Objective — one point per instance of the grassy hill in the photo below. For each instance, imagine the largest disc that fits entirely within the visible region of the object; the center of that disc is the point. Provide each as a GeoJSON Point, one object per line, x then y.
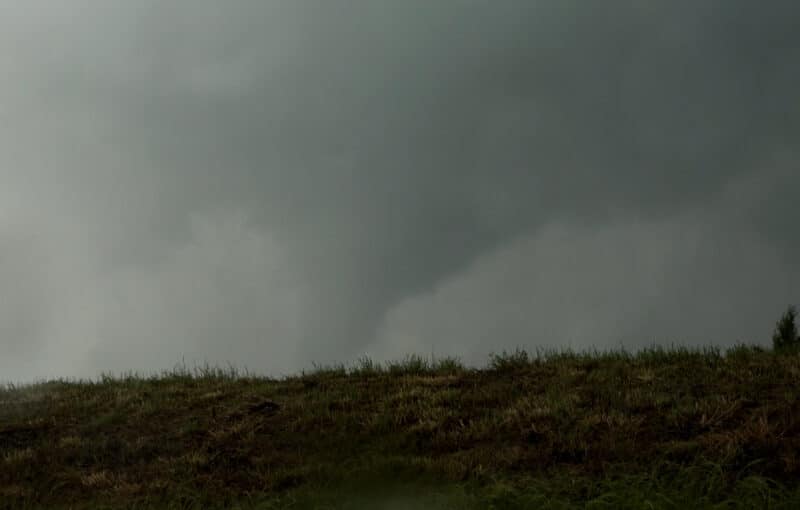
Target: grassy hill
{"type": "Point", "coordinates": [660, 429]}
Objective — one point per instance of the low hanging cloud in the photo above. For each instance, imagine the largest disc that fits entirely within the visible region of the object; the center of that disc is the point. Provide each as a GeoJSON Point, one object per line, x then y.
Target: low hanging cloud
{"type": "Point", "coordinates": [277, 183]}
{"type": "Point", "coordinates": [631, 283]}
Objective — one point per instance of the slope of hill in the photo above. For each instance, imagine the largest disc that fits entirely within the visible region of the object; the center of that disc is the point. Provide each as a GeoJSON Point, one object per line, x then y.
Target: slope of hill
{"type": "Point", "coordinates": [660, 429]}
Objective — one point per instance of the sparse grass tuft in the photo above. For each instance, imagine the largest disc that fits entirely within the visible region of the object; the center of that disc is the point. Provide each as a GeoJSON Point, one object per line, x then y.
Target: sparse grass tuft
{"type": "Point", "coordinates": [412, 364]}
{"type": "Point", "coordinates": [509, 361]}
{"type": "Point", "coordinates": [448, 365]}
{"type": "Point", "coordinates": [365, 367]}
{"type": "Point", "coordinates": [744, 352]}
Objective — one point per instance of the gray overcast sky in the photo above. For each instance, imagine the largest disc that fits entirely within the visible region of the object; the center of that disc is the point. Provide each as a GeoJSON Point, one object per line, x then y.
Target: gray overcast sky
{"type": "Point", "coordinates": [275, 183]}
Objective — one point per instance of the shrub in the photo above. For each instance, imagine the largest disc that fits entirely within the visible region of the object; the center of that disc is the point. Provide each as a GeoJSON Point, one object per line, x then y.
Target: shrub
{"type": "Point", "coordinates": [785, 336]}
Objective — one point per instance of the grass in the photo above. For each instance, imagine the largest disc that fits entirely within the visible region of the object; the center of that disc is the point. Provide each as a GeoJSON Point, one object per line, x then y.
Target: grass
{"type": "Point", "coordinates": [675, 428]}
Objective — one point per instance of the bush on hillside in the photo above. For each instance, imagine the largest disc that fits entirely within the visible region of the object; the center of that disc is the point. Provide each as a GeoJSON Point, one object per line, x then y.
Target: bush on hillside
{"type": "Point", "coordinates": [785, 336]}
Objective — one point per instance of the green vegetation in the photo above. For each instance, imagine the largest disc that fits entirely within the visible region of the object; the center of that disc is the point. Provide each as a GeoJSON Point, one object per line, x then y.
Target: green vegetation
{"type": "Point", "coordinates": [785, 338]}
{"type": "Point", "coordinates": [660, 429]}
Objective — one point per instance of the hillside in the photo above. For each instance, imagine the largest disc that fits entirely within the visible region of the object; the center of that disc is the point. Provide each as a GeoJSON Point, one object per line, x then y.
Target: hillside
{"type": "Point", "coordinates": [660, 429]}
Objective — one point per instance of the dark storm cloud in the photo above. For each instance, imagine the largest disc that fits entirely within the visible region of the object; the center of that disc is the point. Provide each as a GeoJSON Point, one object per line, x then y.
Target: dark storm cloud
{"type": "Point", "coordinates": [376, 150]}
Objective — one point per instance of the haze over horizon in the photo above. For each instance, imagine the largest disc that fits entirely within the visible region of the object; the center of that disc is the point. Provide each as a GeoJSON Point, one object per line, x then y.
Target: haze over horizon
{"type": "Point", "coordinates": [271, 184]}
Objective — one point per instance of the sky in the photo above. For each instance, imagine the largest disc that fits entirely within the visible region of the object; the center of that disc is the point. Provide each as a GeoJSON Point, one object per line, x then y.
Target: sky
{"type": "Point", "coordinates": [276, 184]}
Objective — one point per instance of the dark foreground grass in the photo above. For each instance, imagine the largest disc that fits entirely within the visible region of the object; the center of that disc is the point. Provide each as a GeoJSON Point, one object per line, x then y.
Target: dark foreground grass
{"type": "Point", "coordinates": [660, 429]}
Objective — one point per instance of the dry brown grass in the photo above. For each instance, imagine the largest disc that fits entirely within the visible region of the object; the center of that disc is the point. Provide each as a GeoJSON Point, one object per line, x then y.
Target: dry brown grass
{"type": "Point", "coordinates": [133, 439]}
